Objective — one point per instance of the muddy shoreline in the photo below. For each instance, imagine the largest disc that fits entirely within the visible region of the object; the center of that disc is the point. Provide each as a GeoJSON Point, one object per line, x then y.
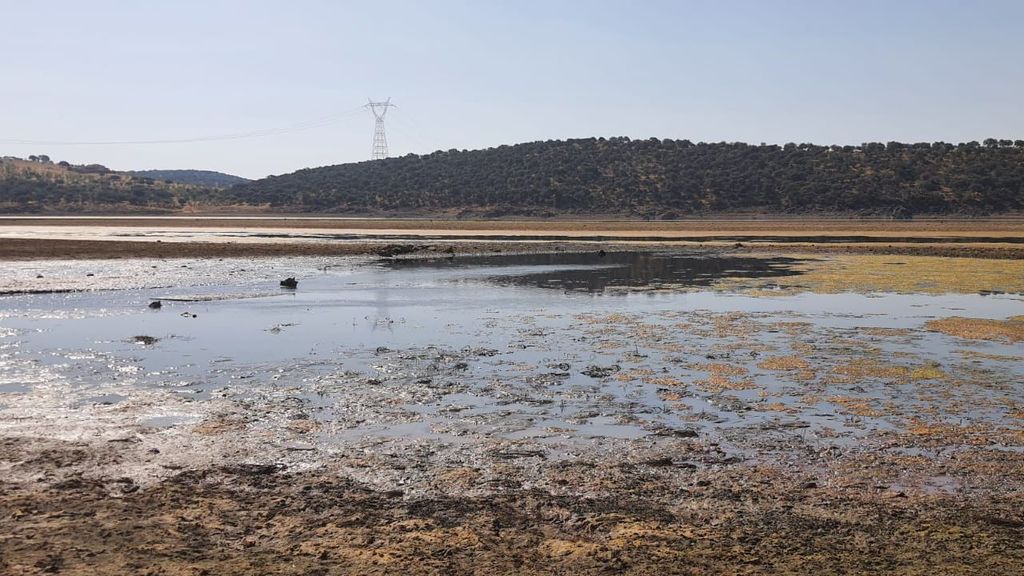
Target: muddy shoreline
{"type": "Point", "coordinates": [846, 423]}
{"type": "Point", "coordinates": [245, 519]}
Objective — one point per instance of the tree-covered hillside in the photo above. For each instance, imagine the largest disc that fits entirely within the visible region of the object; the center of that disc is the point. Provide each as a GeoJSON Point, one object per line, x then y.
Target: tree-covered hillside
{"type": "Point", "coordinates": [40, 185]}
{"type": "Point", "coordinates": [663, 178]}
{"type": "Point", "coordinates": [597, 176]}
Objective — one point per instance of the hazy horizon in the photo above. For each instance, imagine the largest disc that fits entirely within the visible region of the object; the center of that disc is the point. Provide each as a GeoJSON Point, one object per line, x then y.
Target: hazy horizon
{"type": "Point", "coordinates": [468, 76]}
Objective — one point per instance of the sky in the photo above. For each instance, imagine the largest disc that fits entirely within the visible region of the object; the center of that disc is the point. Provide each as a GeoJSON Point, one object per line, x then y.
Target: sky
{"type": "Point", "coordinates": [480, 73]}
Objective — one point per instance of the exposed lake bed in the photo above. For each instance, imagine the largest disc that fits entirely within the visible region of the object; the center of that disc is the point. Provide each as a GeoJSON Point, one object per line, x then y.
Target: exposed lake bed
{"type": "Point", "coordinates": [639, 409]}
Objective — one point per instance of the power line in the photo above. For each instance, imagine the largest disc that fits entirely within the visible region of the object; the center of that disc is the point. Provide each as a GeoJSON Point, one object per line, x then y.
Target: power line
{"type": "Point", "coordinates": [298, 127]}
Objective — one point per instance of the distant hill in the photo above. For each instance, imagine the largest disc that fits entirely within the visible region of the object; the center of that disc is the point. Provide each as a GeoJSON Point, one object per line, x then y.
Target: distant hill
{"type": "Point", "coordinates": [587, 177]}
{"type": "Point", "coordinates": [40, 185]}
{"type": "Point", "coordinates": [662, 178]}
{"type": "Point", "coordinates": [208, 178]}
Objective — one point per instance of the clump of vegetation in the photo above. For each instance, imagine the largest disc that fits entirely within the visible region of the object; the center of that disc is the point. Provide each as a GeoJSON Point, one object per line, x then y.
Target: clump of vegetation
{"type": "Point", "coordinates": [929, 371]}
{"type": "Point", "coordinates": [799, 368]}
{"type": "Point", "coordinates": [1009, 330]}
{"type": "Point", "coordinates": [721, 383]}
{"type": "Point", "coordinates": [902, 274]}
{"type": "Point", "coordinates": [856, 406]}
{"type": "Point", "coordinates": [864, 368]}
{"type": "Point", "coordinates": [784, 363]}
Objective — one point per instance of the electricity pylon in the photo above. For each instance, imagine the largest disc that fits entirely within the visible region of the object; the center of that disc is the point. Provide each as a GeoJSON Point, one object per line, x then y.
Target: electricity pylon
{"type": "Point", "coordinates": [380, 141]}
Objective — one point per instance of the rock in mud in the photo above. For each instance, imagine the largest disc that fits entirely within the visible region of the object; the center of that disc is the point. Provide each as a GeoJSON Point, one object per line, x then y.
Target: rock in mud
{"type": "Point", "coordinates": [601, 371]}
{"type": "Point", "coordinates": [290, 283]}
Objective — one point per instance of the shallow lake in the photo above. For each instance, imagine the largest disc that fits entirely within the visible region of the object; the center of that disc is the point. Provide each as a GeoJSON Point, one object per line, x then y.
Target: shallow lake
{"type": "Point", "coordinates": [553, 347]}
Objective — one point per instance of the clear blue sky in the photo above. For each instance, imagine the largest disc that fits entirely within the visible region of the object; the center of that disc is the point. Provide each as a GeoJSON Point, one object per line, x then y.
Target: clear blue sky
{"type": "Point", "coordinates": [476, 73]}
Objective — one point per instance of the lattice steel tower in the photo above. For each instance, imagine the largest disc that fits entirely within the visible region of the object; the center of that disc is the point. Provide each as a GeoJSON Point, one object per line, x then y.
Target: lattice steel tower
{"type": "Point", "coordinates": [380, 141]}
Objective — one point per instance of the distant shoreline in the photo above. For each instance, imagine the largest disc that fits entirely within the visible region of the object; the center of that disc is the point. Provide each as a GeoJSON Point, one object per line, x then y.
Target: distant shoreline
{"type": "Point", "coordinates": [217, 237]}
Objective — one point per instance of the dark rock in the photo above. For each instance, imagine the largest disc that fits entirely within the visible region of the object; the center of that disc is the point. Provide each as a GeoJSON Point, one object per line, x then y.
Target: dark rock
{"type": "Point", "coordinates": [156, 305]}
{"type": "Point", "coordinates": [290, 283]}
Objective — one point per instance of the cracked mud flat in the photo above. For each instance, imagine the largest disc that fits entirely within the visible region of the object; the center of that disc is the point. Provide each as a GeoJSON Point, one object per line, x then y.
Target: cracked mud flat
{"type": "Point", "coordinates": [631, 413]}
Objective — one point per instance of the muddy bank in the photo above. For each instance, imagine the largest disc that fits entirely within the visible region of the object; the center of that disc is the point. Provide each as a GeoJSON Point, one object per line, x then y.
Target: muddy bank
{"type": "Point", "coordinates": [41, 248]}
{"type": "Point", "coordinates": [265, 519]}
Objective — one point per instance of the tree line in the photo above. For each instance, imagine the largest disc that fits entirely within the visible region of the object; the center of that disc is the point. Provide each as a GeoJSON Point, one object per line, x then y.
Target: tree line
{"type": "Point", "coordinates": [664, 179]}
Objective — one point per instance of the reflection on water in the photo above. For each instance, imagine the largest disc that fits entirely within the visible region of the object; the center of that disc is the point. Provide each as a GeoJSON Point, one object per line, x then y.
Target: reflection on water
{"type": "Point", "coordinates": [596, 271]}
